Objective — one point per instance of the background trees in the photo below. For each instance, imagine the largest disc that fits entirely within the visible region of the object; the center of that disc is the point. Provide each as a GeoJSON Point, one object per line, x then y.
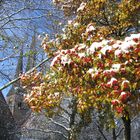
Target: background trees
{"type": "Point", "coordinates": [23, 23]}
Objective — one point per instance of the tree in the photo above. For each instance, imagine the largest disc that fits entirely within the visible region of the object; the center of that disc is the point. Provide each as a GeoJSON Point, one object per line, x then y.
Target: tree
{"type": "Point", "coordinates": [18, 22]}
{"type": "Point", "coordinates": [96, 85]}
{"type": "Point", "coordinates": [93, 64]}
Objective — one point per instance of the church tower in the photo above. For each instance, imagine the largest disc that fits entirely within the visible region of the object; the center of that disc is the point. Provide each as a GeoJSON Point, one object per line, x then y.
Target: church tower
{"type": "Point", "coordinates": [32, 57]}
{"type": "Point", "coordinates": [15, 97]}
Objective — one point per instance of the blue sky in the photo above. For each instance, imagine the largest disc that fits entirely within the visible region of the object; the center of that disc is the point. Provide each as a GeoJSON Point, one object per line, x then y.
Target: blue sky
{"type": "Point", "coordinates": [43, 24]}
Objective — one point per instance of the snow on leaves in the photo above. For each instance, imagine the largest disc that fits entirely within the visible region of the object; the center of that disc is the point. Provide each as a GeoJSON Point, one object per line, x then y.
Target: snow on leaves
{"type": "Point", "coordinates": [104, 73]}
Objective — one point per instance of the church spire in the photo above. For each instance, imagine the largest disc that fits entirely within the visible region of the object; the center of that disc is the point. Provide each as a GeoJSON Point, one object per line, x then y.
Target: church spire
{"type": "Point", "coordinates": [32, 56]}
{"type": "Point", "coordinates": [19, 68]}
{"type": "Point", "coordinates": [15, 97]}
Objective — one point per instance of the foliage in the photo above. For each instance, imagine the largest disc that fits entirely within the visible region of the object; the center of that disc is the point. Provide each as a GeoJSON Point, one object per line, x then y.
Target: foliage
{"type": "Point", "coordinates": [105, 73]}
{"type": "Point", "coordinates": [93, 63]}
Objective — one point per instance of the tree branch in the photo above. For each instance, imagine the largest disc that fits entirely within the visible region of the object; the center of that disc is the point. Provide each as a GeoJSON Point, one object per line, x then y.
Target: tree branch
{"type": "Point", "coordinates": [119, 132]}
{"type": "Point", "coordinates": [101, 132]}
{"type": "Point", "coordinates": [46, 131]}
{"type": "Point", "coordinates": [67, 129]}
{"type": "Point", "coordinates": [3, 59]}
{"type": "Point", "coordinates": [9, 16]}
{"type": "Point", "coordinates": [19, 19]}
{"type": "Point", "coordinates": [64, 117]}
{"type": "Point", "coordinates": [18, 78]}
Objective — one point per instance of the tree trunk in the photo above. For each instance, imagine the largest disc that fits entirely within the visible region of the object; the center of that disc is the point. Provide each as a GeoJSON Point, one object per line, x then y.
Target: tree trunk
{"type": "Point", "coordinates": [127, 128]}
{"type": "Point", "coordinates": [72, 133]}
{"type": "Point", "coordinates": [114, 134]}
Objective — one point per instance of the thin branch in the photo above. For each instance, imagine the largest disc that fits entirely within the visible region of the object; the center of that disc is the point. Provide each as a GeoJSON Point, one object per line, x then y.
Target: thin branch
{"type": "Point", "coordinates": [101, 132]}
{"type": "Point", "coordinates": [3, 59]}
{"type": "Point", "coordinates": [18, 11]}
{"type": "Point", "coordinates": [22, 9]}
{"type": "Point", "coordinates": [20, 19]}
{"type": "Point", "coordinates": [119, 132]}
{"type": "Point", "coordinates": [134, 119]}
{"type": "Point", "coordinates": [18, 78]}
{"type": "Point", "coordinates": [45, 131]}
{"type": "Point", "coordinates": [65, 111]}
{"type": "Point", "coordinates": [4, 75]}
{"type": "Point", "coordinates": [61, 125]}
{"type": "Point", "coordinates": [66, 118]}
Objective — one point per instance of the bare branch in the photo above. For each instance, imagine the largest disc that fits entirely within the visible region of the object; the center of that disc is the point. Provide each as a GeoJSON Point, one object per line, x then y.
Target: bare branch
{"type": "Point", "coordinates": [119, 132]}
{"type": "Point", "coordinates": [134, 119]}
{"type": "Point", "coordinates": [101, 132]}
{"type": "Point", "coordinates": [61, 125]}
{"type": "Point", "coordinates": [45, 131]}
{"type": "Point", "coordinates": [18, 11]}
{"type": "Point", "coordinates": [65, 111]}
{"type": "Point", "coordinates": [6, 76]}
{"type": "Point", "coordinates": [3, 59]}
{"type": "Point", "coordinates": [19, 19]}
{"type": "Point", "coordinates": [68, 120]}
